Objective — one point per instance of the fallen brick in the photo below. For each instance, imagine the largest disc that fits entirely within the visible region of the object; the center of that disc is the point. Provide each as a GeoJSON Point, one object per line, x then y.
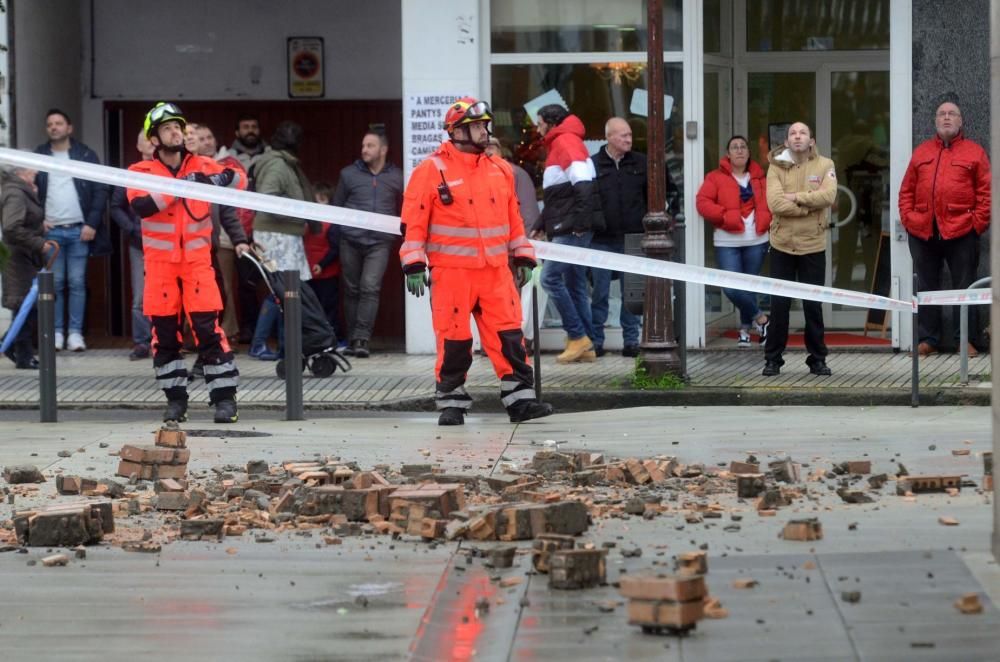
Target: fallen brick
{"type": "Point", "coordinates": [55, 560]}
{"type": "Point", "coordinates": [663, 587]}
{"type": "Point", "coordinates": [969, 604]}
{"type": "Point", "coordinates": [171, 501]}
{"type": "Point", "coordinates": [851, 597]}
{"type": "Point", "coordinates": [147, 546]}
{"type": "Point", "coordinates": [543, 547]}
{"type": "Point", "coordinates": [853, 496]}
{"type": "Point", "coordinates": [745, 582]}
{"type": "Point", "coordinates": [23, 473]}
{"type": "Point", "coordinates": [637, 472]}
{"type": "Point", "coordinates": [960, 451]}
{"type": "Point", "coordinates": [918, 484]}
{"type": "Point", "coordinates": [74, 484]}
{"type": "Point", "coordinates": [482, 527]}
{"type": "Point", "coordinates": [202, 529]}
{"type": "Point", "coordinates": [170, 436]}
{"type": "Point", "coordinates": [653, 615]}
{"type": "Point", "coordinates": [803, 530]}
{"type": "Point", "coordinates": [151, 471]}
{"type": "Point", "coordinates": [743, 468]}
{"type": "Point", "coordinates": [859, 467]}
{"type": "Point", "coordinates": [692, 563]}
{"type": "Point", "coordinates": [713, 608]}
{"type": "Point", "coordinates": [550, 462]}
{"type": "Point", "coordinates": [169, 485]}
{"type": "Point", "coordinates": [502, 557]}
{"type": "Point", "coordinates": [154, 454]}
{"type": "Point", "coordinates": [357, 505]}
{"type": "Point", "coordinates": [64, 525]}
{"type": "Point", "coordinates": [571, 569]}
{"type": "Point", "coordinates": [507, 582]}
{"type": "Point", "coordinates": [785, 470]}
{"type": "Point", "coordinates": [878, 481]}
{"type": "Point", "coordinates": [750, 486]}
{"type": "Point", "coordinates": [947, 521]}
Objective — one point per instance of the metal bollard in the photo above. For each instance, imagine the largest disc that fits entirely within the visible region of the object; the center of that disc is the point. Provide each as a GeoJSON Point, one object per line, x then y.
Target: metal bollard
{"type": "Point", "coordinates": [963, 341]}
{"type": "Point", "coordinates": [47, 347]}
{"type": "Point", "coordinates": [915, 367]}
{"type": "Point", "coordinates": [293, 347]}
{"type": "Point", "coordinates": [536, 346]}
{"type": "Point", "coordinates": [680, 295]}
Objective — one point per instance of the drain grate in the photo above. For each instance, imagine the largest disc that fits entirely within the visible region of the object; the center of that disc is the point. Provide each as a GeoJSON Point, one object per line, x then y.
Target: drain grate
{"type": "Point", "coordinates": [224, 434]}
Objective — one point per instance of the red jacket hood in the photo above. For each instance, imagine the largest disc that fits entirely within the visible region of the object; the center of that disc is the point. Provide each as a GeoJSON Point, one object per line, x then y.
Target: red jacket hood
{"type": "Point", "coordinates": [752, 167]}
{"type": "Point", "coordinates": [571, 125]}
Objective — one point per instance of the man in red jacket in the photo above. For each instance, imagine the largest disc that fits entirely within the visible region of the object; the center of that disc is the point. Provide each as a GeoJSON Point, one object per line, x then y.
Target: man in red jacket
{"type": "Point", "coordinates": [944, 204]}
{"type": "Point", "coordinates": [463, 221]}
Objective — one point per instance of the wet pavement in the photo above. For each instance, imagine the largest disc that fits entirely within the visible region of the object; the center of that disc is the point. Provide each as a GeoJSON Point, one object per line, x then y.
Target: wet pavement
{"type": "Point", "coordinates": [369, 598]}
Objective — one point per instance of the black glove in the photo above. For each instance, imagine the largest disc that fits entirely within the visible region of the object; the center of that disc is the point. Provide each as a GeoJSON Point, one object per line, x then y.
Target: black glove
{"type": "Point", "coordinates": [199, 177]}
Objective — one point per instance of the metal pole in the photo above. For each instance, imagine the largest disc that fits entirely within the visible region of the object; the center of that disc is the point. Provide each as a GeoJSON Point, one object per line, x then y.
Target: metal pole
{"type": "Point", "coordinates": [536, 345]}
{"type": "Point", "coordinates": [963, 338]}
{"type": "Point", "coordinates": [680, 297]}
{"type": "Point", "coordinates": [659, 342]}
{"type": "Point", "coordinates": [47, 408]}
{"type": "Point", "coordinates": [293, 347]}
{"type": "Point", "coordinates": [915, 356]}
{"type": "Point", "coordinates": [995, 246]}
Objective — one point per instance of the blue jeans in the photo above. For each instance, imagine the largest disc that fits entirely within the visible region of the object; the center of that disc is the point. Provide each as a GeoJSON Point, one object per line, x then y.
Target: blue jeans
{"type": "Point", "coordinates": [566, 285]}
{"type": "Point", "coordinates": [270, 316]}
{"type": "Point", "coordinates": [70, 268]}
{"type": "Point", "coordinates": [142, 332]}
{"type": "Point", "coordinates": [744, 260]}
{"type": "Point", "coordinates": [599, 297]}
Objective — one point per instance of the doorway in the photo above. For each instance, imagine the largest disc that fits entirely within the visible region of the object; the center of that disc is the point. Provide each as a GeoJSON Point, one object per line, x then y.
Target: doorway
{"type": "Point", "coordinates": [779, 61]}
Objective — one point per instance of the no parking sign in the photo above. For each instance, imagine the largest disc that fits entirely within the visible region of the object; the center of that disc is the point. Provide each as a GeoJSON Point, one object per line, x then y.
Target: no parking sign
{"type": "Point", "coordinates": [305, 67]}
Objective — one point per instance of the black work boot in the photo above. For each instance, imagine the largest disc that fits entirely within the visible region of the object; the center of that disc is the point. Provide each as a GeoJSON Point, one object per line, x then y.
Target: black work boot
{"type": "Point", "coordinates": [225, 411]}
{"type": "Point", "coordinates": [451, 416]}
{"type": "Point", "coordinates": [525, 410]}
{"type": "Point", "coordinates": [771, 368]}
{"type": "Point", "coordinates": [176, 411]}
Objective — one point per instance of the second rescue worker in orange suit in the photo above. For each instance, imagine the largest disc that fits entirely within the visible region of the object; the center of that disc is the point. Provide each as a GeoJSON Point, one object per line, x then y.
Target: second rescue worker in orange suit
{"type": "Point", "coordinates": [463, 222]}
{"type": "Point", "coordinates": [177, 252]}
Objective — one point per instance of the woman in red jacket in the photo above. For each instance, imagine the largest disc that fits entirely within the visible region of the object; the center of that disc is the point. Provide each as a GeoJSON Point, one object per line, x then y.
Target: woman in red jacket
{"type": "Point", "coordinates": [733, 198]}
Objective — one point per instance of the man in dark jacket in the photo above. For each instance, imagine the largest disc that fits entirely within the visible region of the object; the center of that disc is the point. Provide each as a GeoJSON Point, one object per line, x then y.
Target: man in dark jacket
{"type": "Point", "coordinates": [74, 218]}
{"type": "Point", "coordinates": [131, 227]}
{"type": "Point", "coordinates": [23, 235]}
{"type": "Point", "coordinates": [370, 184]}
{"type": "Point", "coordinates": [571, 215]}
{"type": "Point", "coordinates": [944, 204]}
{"type": "Point", "coordinates": [621, 182]}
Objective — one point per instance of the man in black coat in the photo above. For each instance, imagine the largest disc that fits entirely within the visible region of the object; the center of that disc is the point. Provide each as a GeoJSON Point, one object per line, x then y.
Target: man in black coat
{"type": "Point", "coordinates": [622, 185]}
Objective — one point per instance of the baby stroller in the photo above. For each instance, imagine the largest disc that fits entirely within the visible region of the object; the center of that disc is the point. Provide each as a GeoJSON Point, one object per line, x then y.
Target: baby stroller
{"type": "Point", "coordinates": [319, 343]}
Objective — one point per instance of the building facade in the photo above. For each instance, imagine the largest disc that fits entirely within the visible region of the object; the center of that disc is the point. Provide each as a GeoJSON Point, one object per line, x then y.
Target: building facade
{"type": "Point", "coordinates": [865, 74]}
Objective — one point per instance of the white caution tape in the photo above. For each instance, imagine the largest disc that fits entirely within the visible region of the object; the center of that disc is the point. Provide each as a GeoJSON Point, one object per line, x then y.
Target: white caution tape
{"type": "Point", "coordinates": [390, 225]}
{"type": "Point", "coordinates": [955, 297]}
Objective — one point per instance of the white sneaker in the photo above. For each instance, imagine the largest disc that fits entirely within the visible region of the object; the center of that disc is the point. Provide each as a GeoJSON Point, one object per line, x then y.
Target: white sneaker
{"type": "Point", "coordinates": [75, 343]}
{"type": "Point", "coordinates": [743, 341]}
{"type": "Point", "coordinates": [59, 340]}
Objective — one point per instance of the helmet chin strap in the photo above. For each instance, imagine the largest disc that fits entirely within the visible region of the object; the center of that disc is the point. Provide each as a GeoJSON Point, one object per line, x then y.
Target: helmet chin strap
{"type": "Point", "coordinates": [478, 147]}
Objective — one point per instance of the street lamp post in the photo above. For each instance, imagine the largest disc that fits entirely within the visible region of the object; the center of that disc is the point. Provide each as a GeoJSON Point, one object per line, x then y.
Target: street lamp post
{"type": "Point", "coordinates": [659, 345]}
{"type": "Point", "coordinates": [995, 252]}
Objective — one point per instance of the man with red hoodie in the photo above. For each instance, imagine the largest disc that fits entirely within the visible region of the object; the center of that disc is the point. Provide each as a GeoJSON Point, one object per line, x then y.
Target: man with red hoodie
{"type": "Point", "coordinates": [571, 215]}
{"type": "Point", "coordinates": [944, 204]}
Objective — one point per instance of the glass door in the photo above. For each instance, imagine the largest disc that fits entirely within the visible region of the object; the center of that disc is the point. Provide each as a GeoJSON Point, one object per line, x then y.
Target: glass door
{"type": "Point", "coordinates": [859, 138]}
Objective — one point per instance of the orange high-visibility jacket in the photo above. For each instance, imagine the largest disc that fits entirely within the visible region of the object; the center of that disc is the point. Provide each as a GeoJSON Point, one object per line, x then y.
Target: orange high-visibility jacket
{"type": "Point", "coordinates": [176, 229]}
{"type": "Point", "coordinates": [481, 227]}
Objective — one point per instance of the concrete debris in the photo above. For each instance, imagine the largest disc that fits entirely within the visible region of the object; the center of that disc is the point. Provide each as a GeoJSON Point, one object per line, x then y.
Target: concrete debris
{"type": "Point", "coordinates": [25, 473]}
{"type": "Point", "coordinates": [664, 604]}
{"type": "Point", "coordinates": [969, 604]}
{"type": "Point", "coordinates": [55, 560]}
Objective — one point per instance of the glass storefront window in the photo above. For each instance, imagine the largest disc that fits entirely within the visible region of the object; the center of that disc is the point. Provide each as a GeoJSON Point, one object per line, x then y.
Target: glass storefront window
{"type": "Point", "coordinates": [572, 26]}
{"type": "Point", "coordinates": [594, 93]}
{"type": "Point", "coordinates": [808, 25]}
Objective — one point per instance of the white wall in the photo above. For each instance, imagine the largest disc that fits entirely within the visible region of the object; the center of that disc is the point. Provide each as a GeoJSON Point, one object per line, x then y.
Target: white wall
{"type": "Point", "coordinates": [441, 55]}
{"type": "Point", "coordinates": [48, 55]}
{"type": "Point", "coordinates": [193, 49]}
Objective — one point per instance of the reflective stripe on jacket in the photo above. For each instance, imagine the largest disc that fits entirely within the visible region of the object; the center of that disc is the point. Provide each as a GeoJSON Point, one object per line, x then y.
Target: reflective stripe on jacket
{"type": "Point", "coordinates": [481, 227]}
{"type": "Point", "coordinates": [181, 229]}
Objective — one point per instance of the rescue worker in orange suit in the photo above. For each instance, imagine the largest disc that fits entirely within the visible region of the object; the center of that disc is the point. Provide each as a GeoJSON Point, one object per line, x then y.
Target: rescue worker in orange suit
{"type": "Point", "coordinates": [177, 252]}
{"type": "Point", "coordinates": [462, 221]}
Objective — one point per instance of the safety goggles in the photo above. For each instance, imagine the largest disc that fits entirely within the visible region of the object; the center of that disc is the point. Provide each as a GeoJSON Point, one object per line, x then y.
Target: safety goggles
{"type": "Point", "coordinates": [477, 112]}
{"type": "Point", "coordinates": [164, 110]}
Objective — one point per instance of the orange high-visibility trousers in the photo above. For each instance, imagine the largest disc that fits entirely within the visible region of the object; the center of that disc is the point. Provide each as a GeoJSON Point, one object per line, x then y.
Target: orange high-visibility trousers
{"type": "Point", "coordinates": [488, 294]}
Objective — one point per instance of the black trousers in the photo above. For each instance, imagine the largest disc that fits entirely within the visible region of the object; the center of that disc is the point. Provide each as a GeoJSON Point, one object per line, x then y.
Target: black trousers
{"type": "Point", "coordinates": [246, 292]}
{"type": "Point", "coordinates": [810, 268]}
{"type": "Point", "coordinates": [929, 257]}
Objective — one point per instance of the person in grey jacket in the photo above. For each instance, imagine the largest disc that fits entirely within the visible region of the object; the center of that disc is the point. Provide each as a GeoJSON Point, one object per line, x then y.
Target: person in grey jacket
{"type": "Point", "coordinates": [24, 236]}
{"type": "Point", "coordinates": [369, 184]}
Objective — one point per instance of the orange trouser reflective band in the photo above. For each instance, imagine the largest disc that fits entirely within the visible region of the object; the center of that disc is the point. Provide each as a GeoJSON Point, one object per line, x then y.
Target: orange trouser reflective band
{"type": "Point", "coordinates": [488, 294]}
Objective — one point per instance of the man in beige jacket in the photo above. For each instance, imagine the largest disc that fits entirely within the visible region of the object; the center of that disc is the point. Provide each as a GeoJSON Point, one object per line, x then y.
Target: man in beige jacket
{"type": "Point", "coordinates": [801, 188]}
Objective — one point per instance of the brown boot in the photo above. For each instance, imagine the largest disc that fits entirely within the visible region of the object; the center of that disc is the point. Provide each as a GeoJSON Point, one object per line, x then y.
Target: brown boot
{"type": "Point", "coordinates": [926, 349]}
{"type": "Point", "coordinates": [575, 348]}
{"type": "Point", "coordinates": [973, 352]}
